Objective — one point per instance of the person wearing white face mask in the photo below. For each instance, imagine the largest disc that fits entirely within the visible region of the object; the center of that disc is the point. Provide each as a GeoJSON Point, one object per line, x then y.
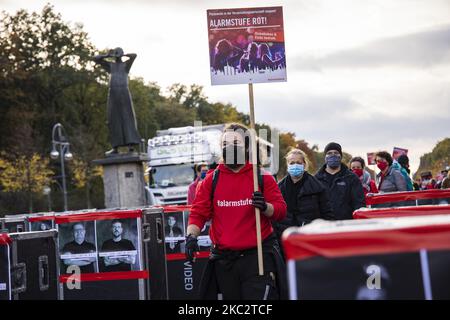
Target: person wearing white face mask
{"type": "Point", "coordinates": [306, 198]}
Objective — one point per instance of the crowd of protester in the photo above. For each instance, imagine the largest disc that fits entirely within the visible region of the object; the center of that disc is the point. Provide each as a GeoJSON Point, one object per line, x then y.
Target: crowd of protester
{"type": "Point", "coordinates": [334, 192]}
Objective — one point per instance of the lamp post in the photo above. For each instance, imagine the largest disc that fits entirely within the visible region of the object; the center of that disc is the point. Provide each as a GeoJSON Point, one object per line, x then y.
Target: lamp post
{"type": "Point", "coordinates": [47, 192]}
{"type": "Point", "coordinates": [61, 149]}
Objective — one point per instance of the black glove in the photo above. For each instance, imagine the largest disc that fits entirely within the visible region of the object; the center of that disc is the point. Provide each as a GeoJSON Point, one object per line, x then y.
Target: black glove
{"type": "Point", "coordinates": [191, 247]}
{"type": "Point", "coordinates": [258, 201]}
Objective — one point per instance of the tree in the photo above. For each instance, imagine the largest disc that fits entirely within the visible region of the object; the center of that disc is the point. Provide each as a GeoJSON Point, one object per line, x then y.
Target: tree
{"type": "Point", "coordinates": [194, 97]}
{"type": "Point", "coordinates": [83, 174]}
{"type": "Point", "coordinates": [436, 160]}
{"type": "Point", "coordinates": [25, 174]}
{"type": "Point", "coordinates": [169, 114]}
{"type": "Point", "coordinates": [145, 98]}
{"type": "Point", "coordinates": [41, 57]}
{"type": "Point", "coordinates": [310, 153]}
{"type": "Point", "coordinates": [287, 142]}
{"type": "Point", "coordinates": [177, 93]}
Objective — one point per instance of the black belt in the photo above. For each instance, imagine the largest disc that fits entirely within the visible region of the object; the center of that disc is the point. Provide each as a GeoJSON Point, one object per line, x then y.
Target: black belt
{"type": "Point", "coordinates": [217, 254]}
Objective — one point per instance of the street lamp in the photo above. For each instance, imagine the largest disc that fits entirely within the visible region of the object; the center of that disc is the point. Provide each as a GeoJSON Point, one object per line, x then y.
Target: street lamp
{"type": "Point", "coordinates": [61, 149]}
{"type": "Point", "coordinates": [47, 192]}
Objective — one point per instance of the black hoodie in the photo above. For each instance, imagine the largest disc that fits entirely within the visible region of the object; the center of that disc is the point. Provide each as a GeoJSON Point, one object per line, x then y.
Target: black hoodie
{"type": "Point", "coordinates": [346, 192]}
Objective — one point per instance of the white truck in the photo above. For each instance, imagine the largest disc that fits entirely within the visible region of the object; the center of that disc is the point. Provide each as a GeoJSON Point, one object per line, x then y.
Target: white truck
{"type": "Point", "coordinates": [173, 154]}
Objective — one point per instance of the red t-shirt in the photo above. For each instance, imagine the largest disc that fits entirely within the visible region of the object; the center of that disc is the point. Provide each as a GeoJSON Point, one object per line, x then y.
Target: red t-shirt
{"type": "Point", "coordinates": [233, 223]}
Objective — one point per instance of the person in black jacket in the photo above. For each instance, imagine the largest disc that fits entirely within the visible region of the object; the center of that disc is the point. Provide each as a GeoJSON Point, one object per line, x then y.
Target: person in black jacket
{"type": "Point", "coordinates": [306, 198]}
{"type": "Point", "coordinates": [345, 189]}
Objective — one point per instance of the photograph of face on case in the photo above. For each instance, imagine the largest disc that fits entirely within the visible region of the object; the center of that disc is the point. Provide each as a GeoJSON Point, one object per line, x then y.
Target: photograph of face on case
{"type": "Point", "coordinates": [42, 225]}
{"type": "Point", "coordinates": [77, 247]}
{"type": "Point", "coordinates": [105, 246]}
{"type": "Point", "coordinates": [117, 242]}
{"type": "Point", "coordinates": [175, 232]}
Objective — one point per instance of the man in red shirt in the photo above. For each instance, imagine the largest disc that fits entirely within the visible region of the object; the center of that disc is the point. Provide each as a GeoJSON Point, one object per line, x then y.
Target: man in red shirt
{"type": "Point", "coordinates": [233, 265]}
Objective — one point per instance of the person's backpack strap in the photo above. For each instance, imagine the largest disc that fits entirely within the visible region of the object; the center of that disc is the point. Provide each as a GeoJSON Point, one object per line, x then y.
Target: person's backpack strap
{"type": "Point", "coordinates": [216, 179]}
{"type": "Point", "coordinates": [214, 183]}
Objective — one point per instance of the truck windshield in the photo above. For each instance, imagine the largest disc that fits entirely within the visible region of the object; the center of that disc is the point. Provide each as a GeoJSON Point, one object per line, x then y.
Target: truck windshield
{"type": "Point", "coordinates": [171, 176]}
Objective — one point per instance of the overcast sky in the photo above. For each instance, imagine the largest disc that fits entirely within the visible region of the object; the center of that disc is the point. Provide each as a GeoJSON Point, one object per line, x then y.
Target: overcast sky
{"type": "Point", "coordinates": [369, 74]}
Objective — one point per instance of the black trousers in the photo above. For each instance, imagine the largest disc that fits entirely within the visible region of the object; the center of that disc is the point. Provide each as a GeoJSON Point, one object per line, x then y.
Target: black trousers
{"type": "Point", "coordinates": [238, 279]}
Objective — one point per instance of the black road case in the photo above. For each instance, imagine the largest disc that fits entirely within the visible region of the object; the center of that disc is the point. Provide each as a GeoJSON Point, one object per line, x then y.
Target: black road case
{"type": "Point", "coordinates": [93, 265]}
{"type": "Point", "coordinates": [29, 266]}
{"type": "Point", "coordinates": [154, 253]}
{"type": "Point", "coordinates": [376, 259]}
{"type": "Point", "coordinates": [5, 289]}
{"type": "Point", "coordinates": [129, 265]}
{"type": "Point", "coordinates": [40, 221]}
{"type": "Point", "coordinates": [14, 223]}
{"type": "Point", "coordinates": [183, 277]}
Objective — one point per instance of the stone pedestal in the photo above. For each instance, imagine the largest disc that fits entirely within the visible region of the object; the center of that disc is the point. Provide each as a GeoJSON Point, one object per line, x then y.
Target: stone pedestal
{"type": "Point", "coordinates": [123, 180]}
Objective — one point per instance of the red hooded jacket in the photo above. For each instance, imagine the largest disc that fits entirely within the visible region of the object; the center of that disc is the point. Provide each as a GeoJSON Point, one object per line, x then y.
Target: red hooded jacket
{"type": "Point", "coordinates": [233, 223]}
{"type": "Point", "coordinates": [192, 190]}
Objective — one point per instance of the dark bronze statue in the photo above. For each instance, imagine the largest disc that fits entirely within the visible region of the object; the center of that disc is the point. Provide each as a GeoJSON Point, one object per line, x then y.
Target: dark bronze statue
{"type": "Point", "coordinates": [121, 118]}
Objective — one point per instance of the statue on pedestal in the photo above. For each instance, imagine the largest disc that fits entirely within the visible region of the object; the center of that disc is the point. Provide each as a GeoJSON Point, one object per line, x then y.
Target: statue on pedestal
{"type": "Point", "coordinates": [121, 117]}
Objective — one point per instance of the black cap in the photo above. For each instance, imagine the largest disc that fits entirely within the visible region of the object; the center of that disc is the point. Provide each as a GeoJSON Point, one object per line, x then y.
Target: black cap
{"type": "Point", "coordinates": [333, 146]}
{"type": "Point", "coordinates": [426, 174]}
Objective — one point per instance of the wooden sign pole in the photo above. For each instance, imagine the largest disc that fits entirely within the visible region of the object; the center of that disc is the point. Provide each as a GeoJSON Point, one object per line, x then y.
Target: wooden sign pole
{"type": "Point", "coordinates": [255, 177]}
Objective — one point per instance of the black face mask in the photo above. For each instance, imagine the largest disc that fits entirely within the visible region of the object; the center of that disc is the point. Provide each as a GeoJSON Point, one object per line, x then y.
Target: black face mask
{"type": "Point", "coordinates": [234, 156]}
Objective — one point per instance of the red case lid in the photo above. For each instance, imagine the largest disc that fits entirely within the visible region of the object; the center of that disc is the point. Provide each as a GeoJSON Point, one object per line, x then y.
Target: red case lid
{"type": "Point", "coordinates": [176, 208]}
{"type": "Point", "coordinates": [5, 239]}
{"type": "Point", "coordinates": [101, 215]}
{"type": "Point", "coordinates": [379, 198]}
{"type": "Point", "coordinates": [401, 212]}
{"type": "Point", "coordinates": [106, 276]}
{"type": "Point", "coordinates": [41, 218]}
{"type": "Point", "coordinates": [369, 240]}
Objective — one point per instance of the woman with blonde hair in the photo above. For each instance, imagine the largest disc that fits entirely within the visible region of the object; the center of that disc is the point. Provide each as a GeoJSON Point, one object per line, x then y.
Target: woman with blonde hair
{"type": "Point", "coordinates": [306, 198]}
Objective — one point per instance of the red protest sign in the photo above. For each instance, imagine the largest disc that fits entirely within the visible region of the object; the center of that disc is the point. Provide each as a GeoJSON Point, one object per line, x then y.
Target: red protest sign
{"type": "Point", "coordinates": [371, 158]}
{"type": "Point", "coordinates": [397, 152]}
{"type": "Point", "coordinates": [246, 45]}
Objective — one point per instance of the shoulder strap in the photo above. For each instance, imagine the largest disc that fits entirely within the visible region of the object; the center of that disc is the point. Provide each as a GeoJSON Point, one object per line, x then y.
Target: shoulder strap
{"type": "Point", "coordinates": [214, 183]}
